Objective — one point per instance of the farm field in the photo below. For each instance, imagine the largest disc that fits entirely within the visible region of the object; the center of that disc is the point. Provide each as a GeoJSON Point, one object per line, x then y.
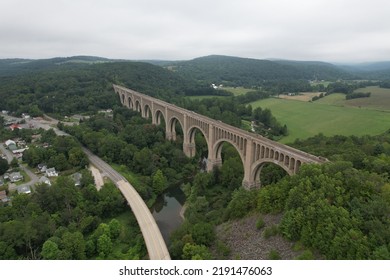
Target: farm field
{"type": "Point", "coordinates": [305, 119]}
{"type": "Point", "coordinates": [379, 99]}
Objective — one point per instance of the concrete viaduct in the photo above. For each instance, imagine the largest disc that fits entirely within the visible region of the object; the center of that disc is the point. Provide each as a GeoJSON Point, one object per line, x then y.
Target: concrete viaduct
{"type": "Point", "coordinates": [254, 150]}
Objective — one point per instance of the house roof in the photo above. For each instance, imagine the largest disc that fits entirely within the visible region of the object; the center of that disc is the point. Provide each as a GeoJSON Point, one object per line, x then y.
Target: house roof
{"type": "Point", "coordinates": [3, 195]}
{"type": "Point", "coordinates": [14, 126]}
{"type": "Point", "coordinates": [9, 142]}
{"type": "Point", "coordinates": [44, 180]}
{"type": "Point", "coordinates": [15, 174]}
{"type": "Point", "coordinates": [24, 189]}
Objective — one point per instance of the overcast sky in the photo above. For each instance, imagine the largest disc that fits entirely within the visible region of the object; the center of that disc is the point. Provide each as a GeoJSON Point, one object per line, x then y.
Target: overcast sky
{"type": "Point", "coordinates": [326, 30]}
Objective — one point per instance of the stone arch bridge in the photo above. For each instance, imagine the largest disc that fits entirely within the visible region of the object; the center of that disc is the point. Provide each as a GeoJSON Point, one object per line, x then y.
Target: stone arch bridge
{"type": "Point", "coordinates": [254, 150]}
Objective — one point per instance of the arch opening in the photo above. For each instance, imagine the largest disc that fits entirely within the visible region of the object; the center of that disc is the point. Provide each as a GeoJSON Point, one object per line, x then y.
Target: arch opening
{"type": "Point", "coordinates": [159, 118]}
{"type": "Point", "coordinates": [197, 147]}
{"type": "Point", "coordinates": [267, 173]}
{"type": "Point", "coordinates": [130, 103]}
{"type": "Point", "coordinates": [175, 130]}
{"type": "Point", "coordinates": [138, 107]}
{"type": "Point", "coordinates": [147, 112]}
{"type": "Point", "coordinates": [231, 165]}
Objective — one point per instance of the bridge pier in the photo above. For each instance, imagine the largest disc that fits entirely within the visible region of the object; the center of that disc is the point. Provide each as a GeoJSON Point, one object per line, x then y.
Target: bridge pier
{"type": "Point", "coordinates": [189, 149]}
{"type": "Point", "coordinates": [212, 163]}
{"type": "Point", "coordinates": [171, 136]}
{"type": "Point", "coordinates": [249, 185]}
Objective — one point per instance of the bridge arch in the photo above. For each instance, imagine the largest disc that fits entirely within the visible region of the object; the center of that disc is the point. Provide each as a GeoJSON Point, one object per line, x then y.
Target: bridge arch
{"type": "Point", "coordinates": [130, 103]}
{"type": "Point", "coordinates": [190, 144]}
{"type": "Point", "coordinates": [158, 114]}
{"type": "Point", "coordinates": [138, 106]}
{"type": "Point", "coordinates": [147, 112]}
{"type": "Point", "coordinates": [171, 127]}
{"type": "Point", "coordinates": [215, 154]}
{"type": "Point", "coordinates": [258, 166]}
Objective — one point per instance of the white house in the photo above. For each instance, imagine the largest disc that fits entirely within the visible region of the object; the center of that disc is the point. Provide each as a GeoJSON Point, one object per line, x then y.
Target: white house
{"type": "Point", "coordinates": [44, 180]}
{"type": "Point", "coordinates": [10, 142]}
{"type": "Point", "coordinates": [24, 189]}
{"type": "Point", "coordinates": [51, 172]}
{"type": "Point", "coordinates": [15, 177]}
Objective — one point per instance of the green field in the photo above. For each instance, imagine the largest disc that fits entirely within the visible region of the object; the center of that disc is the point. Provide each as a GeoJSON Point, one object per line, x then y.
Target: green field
{"type": "Point", "coordinates": [379, 99]}
{"type": "Point", "coordinates": [201, 97]}
{"type": "Point", "coordinates": [305, 119]}
{"type": "Point", "coordinates": [237, 90]}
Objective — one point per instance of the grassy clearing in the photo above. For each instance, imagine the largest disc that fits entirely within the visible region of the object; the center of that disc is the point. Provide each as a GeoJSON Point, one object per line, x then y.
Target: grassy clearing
{"type": "Point", "coordinates": [305, 119]}
{"type": "Point", "coordinates": [237, 90]}
{"type": "Point", "coordinates": [201, 97]}
{"type": "Point", "coordinates": [336, 99]}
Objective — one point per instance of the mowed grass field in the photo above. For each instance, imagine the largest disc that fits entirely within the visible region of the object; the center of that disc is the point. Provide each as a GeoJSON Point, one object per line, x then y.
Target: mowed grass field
{"type": "Point", "coordinates": [306, 119]}
{"type": "Point", "coordinates": [379, 99]}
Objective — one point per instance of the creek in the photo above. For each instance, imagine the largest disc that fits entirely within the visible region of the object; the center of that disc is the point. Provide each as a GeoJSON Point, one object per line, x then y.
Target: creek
{"type": "Point", "coordinates": [166, 212]}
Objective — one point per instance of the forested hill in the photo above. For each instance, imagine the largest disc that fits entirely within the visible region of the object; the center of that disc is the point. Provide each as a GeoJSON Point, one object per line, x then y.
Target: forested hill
{"type": "Point", "coordinates": [251, 72]}
{"type": "Point", "coordinates": [17, 66]}
{"type": "Point", "coordinates": [66, 88]}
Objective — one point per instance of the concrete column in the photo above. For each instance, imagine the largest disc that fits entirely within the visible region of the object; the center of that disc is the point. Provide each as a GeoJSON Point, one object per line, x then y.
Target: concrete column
{"type": "Point", "coordinates": [154, 121]}
{"type": "Point", "coordinates": [189, 149]}
{"type": "Point", "coordinates": [168, 132]}
{"type": "Point", "coordinates": [249, 179]}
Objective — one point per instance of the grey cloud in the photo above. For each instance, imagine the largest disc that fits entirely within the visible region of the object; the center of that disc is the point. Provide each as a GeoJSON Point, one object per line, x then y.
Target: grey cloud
{"type": "Point", "coordinates": [175, 29]}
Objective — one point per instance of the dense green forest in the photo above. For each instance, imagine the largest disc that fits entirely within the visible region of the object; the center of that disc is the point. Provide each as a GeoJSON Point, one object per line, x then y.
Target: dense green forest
{"type": "Point", "coordinates": [79, 87]}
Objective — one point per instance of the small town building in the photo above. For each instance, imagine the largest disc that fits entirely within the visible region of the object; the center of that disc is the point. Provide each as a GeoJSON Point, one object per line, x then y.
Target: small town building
{"type": "Point", "coordinates": [14, 126]}
{"type": "Point", "coordinates": [44, 180]}
{"type": "Point", "coordinates": [15, 177]}
{"type": "Point", "coordinates": [51, 172]}
{"type": "Point", "coordinates": [10, 142]}
{"type": "Point", "coordinates": [76, 177]}
{"type": "Point", "coordinates": [24, 189]}
{"type": "Point", "coordinates": [42, 167]}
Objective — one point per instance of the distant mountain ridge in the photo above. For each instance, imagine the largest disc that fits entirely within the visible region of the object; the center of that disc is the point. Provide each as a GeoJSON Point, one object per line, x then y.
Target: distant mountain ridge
{"type": "Point", "coordinates": [250, 72]}
{"type": "Point", "coordinates": [219, 68]}
{"type": "Point", "coordinates": [15, 66]}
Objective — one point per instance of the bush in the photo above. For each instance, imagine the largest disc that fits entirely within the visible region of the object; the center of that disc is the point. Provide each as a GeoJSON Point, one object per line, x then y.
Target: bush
{"type": "Point", "coordinates": [274, 255]}
{"type": "Point", "coordinates": [260, 223]}
{"type": "Point", "coordinates": [306, 255]}
{"type": "Point", "coordinates": [270, 231]}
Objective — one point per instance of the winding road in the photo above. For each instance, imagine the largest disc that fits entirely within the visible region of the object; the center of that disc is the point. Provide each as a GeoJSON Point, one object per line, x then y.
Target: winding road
{"type": "Point", "coordinates": [154, 241]}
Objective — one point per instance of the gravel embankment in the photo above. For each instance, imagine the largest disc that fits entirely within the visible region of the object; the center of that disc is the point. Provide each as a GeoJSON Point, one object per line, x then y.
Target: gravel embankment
{"type": "Point", "coordinates": [246, 242]}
